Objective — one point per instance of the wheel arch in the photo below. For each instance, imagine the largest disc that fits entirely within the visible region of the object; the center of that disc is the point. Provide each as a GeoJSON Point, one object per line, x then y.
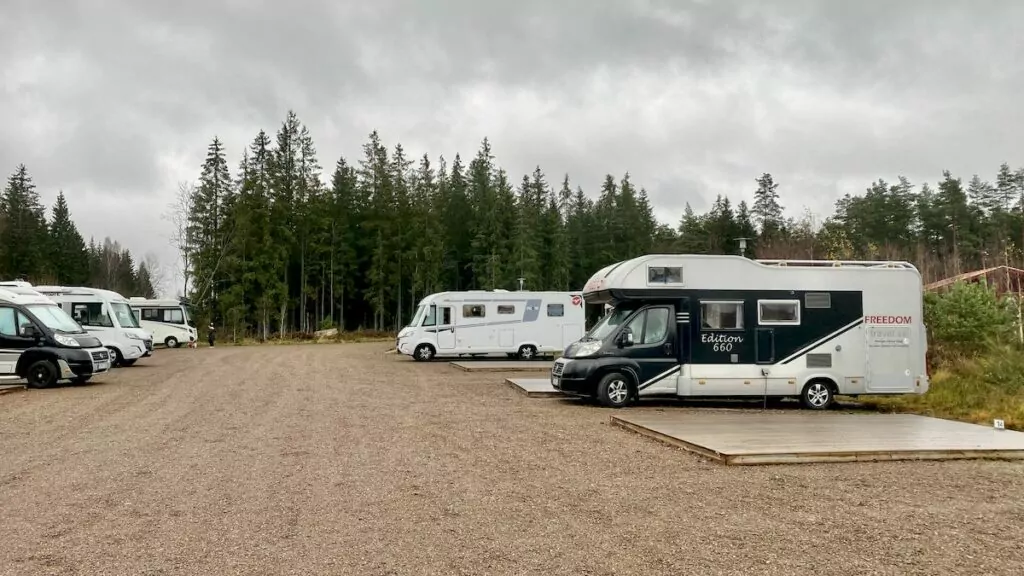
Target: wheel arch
{"type": "Point", "coordinates": [826, 379]}
{"type": "Point", "coordinates": [31, 356]}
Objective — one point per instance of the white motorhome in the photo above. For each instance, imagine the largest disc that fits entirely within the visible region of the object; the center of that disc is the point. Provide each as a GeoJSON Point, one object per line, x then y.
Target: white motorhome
{"type": "Point", "coordinates": [108, 316]}
{"type": "Point", "coordinates": [40, 343]}
{"type": "Point", "coordinates": [481, 322]}
{"type": "Point", "coordinates": [721, 325]}
{"type": "Point", "coordinates": [168, 320]}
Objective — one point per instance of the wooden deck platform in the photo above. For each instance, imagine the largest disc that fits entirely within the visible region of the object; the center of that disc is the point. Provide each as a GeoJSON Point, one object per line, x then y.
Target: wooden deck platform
{"type": "Point", "coordinates": [506, 366]}
{"type": "Point", "coordinates": [534, 387]}
{"type": "Point", "coordinates": [789, 438]}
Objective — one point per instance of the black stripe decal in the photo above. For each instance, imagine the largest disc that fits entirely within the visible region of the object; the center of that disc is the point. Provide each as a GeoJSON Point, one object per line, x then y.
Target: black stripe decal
{"type": "Point", "coordinates": [828, 338]}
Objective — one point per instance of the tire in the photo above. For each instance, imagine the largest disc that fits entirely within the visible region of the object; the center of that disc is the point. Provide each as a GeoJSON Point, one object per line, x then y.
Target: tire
{"type": "Point", "coordinates": [116, 359]}
{"type": "Point", "coordinates": [42, 374]}
{"type": "Point", "coordinates": [614, 390]}
{"type": "Point", "coordinates": [423, 353]}
{"type": "Point", "coordinates": [817, 395]}
{"type": "Point", "coordinates": [527, 352]}
{"type": "Point", "coordinates": [171, 342]}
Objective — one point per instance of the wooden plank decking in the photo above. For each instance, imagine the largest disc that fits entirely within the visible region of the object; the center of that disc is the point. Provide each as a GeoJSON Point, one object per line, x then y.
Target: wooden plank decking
{"type": "Point", "coordinates": [534, 387]}
{"type": "Point", "coordinates": [788, 438]}
{"type": "Point", "coordinates": [499, 366]}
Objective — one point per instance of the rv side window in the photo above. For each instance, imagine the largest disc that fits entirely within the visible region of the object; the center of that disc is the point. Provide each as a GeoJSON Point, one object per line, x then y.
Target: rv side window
{"type": "Point", "coordinates": [473, 311]}
{"type": "Point", "coordinates": [778, 311]}
{"type": "Point", "coordinates": [91, 314]}
{"type": "Point", "coordinates": [8, 324]}
{"type": "Point", "coordinates": [431, 317]}
{"type": "Point", "coordinates": [664, 274]}
{"type": "Point", "coordinates": [721, 315]}
{"type": "Point", "coordinates": [556, 310]}
{"type": "Point", "coordinates": [506, 309]}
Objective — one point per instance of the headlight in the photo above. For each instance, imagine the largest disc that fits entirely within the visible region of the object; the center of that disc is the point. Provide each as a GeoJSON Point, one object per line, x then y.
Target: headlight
{"type": "Point", "coordinates": [587, 348]}
{"type": "Point", "coordinates": [131, 336]}
{"type": "Point", "coordinates": [66, 341]}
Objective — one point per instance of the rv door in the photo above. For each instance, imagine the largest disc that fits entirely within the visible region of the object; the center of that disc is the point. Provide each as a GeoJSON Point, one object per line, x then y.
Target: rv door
{"type": "Point", "coordinates": [445, 328]}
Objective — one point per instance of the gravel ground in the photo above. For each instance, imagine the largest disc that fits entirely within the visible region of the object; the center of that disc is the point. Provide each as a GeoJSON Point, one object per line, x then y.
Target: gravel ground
{"type": "Point", "coordinates": [336, 459]}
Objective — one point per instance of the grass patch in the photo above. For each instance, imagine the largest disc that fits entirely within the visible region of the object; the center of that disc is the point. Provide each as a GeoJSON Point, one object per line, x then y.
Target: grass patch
{"type": "Point", "coordinates": [976, 390]}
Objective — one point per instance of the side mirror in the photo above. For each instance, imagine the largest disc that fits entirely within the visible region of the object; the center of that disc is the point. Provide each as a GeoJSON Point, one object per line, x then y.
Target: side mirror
{"type": "Point", "coordinates": [626, 338]}
{"type": "Point", "coordinates": [30, 331]}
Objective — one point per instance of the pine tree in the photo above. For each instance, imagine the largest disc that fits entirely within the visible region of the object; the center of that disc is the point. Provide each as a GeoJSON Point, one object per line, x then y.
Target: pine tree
{"type": "Point", "coordinates": [69, 257]}
{"type": "Point", "coordinates": [24, 238]}
{"type": "Point", "coordinates": [767, 211]}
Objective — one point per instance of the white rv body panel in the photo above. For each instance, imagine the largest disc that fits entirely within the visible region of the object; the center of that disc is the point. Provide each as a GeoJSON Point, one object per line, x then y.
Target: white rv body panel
{"type": "Point", "coordinates": [480, 322]}
{"type": "Point", "coordinates": [865, 332]}
{"type": "Point", "coordinates": [168, 320]}
{"type": "Point", "coordinates": [106, 315]}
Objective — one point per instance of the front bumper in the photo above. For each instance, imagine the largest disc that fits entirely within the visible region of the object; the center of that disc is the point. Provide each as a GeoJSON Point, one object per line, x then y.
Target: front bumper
{"type": "Point", "coordinates": [149, 348]}
{"type": "Point", "coordinates": [86, 362]}
{"type": "Point", "coordinates": [136, 349]}
{"type": "Point", "coordinates": [571, 377]}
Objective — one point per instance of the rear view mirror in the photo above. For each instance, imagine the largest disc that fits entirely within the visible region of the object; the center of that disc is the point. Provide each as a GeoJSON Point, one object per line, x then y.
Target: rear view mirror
{"type": "Point", "coordinates": [626, 338]}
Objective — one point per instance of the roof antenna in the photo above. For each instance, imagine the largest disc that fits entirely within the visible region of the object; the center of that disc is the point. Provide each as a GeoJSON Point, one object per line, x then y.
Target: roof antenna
{"type": "Point", "coordinates": [743, 245]}
{"type": "Point", "coordinates": [521, 280]}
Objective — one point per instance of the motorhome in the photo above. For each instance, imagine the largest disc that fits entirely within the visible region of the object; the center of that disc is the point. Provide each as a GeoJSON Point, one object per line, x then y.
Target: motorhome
{"type": "Point", "coordinates": [521, 324]}
{"type": "Point", "coordinates": [108, 316]}
{"type": "Point", "coordinates": [722, 325]}
{"type": "Point", "coordinates": [168, 320]}
{"type": "Point", "coordinates": [41, 344]}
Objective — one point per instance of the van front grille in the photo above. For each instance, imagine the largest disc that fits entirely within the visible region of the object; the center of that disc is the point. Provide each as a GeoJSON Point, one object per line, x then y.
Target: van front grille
{"type": "Point", "coordinates": [100, 355]}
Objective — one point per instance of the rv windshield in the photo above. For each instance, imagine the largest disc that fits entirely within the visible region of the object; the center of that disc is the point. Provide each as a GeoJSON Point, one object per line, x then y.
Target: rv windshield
{"type": "Point", "coordinates": [417, 316]}
{"type": "Point", "coordinates": [611, 321]}
{"type": "Point", "coordinates": [124, 315]}
{"type": "Point", "coordinates": [55, 319]}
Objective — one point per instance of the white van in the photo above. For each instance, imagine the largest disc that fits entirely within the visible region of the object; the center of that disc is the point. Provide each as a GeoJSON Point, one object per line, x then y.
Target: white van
{"type": "Point", "coordinates": [168, 320]}
{"type": "Point", "coordinates": [108, 316]}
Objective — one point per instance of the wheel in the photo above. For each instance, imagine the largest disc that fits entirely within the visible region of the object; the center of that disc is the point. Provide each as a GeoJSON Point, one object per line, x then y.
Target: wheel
{"type": "Point", "coordinates": [423, 353]}
{"type": "Point", "coordinates": [614, 391]}
{"type": "Point", "coordinates": [171, 342]}
{"type": "Point", "coordinates": [817, 395]}
{"type": "Point", "coordinates": [116, 357]}
{"type": "Point", "coordinates": [41, 374]}
{"type": "Point", "coordinates": [129, 362]}
{"type": "Point", "coordinates": [527, 352]}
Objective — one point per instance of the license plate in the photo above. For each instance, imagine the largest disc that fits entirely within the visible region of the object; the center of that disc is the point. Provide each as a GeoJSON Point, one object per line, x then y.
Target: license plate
{"type": "Point", "coordinates": [100, 366]}
{"type": "Point", "coordinates": [554, 382]}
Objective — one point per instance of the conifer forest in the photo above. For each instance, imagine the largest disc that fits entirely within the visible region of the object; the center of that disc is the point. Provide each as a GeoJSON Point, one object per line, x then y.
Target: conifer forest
{"type": "Point", "coordinates": [273, 242]}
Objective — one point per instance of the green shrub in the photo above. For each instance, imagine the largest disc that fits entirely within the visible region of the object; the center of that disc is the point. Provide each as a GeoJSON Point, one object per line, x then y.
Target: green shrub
{"type": "Point", "coordinates": [968, 320]}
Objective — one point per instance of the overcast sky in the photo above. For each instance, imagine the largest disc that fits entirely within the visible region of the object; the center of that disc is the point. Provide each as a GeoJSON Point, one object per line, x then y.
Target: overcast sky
{"type": "Point", "coordinates": [115, 101]}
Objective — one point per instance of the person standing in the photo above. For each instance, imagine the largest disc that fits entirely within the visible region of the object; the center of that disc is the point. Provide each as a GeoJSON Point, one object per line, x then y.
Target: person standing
{"type": "Point", "coordinates": [210, 334]}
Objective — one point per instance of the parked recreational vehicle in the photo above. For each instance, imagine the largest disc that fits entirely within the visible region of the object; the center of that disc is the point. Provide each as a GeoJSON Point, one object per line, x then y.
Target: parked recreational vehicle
{"type": "Point", "coordinates": [703, 325]}
{"type": "Point", "coordinates": [42, 344]}
{"type": "Point", "coordinates": [107, 315]}
{"type": "Point", "coordinates": [168, 320]}
{"type": "Point", "coordinates": [480, 322]}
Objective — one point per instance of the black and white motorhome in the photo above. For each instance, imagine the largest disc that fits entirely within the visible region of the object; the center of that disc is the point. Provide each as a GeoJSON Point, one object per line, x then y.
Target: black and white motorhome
{"type": "Point", "coordinates": [523, 324]}
{"type": "Point", "coordinates": [43, 344]}
{"type": "Point", "coordinates": [721, 325]}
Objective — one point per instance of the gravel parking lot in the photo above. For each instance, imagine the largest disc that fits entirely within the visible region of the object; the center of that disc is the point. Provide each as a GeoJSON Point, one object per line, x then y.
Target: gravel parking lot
{"type": "Point", "coordinates": [337, 459]}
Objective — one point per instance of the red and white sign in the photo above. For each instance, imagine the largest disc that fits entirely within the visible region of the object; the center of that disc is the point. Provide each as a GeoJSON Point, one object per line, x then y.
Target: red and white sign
{"type": "Point", "coordinates": [576, 300]}
{"type": "Point", "coordinates": [886, 320]}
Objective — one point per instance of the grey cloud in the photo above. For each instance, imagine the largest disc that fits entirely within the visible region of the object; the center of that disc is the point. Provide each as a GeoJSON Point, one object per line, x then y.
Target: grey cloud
{"type": "Point", "coordinates": [693, 98]}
